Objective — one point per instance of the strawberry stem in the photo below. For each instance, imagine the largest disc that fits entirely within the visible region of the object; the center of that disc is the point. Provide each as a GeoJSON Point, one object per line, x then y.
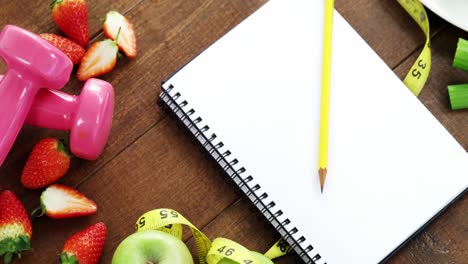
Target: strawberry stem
{"type": "Point", "coordinates": [55, 2]}
{"type": "Point", "coordinates": [118, 35]}
{"type": "Point", "coordinates": [119, 55]}
{"type": "Point", "coordinates": [63, 146]}
{"type": "Point", "coordinates": [35, 213]}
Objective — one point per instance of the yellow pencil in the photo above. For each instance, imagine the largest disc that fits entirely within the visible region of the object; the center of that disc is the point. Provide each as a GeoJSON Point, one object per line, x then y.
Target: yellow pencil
{"type": "Point", "coordinates": [325, 98]}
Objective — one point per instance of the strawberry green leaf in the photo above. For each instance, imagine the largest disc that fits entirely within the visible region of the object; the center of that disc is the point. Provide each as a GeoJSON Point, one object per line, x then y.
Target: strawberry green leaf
{"type": "Point", "coordinates": [55, 2]}
{"type": "Point", "coordinates": [8, 257]}
{"type": "Point", "coordinates": [63, 147]}
{"type": "Point", "coordinates": [10, 246]}
{"type": "Point", "coordinates": [68, 259]}
{"type": "Point", "coordinates": [22, 243]}
{"type": "Point", "coordinates": [4, 246]}
{"type": "Point", "coordinates": [63, 258]}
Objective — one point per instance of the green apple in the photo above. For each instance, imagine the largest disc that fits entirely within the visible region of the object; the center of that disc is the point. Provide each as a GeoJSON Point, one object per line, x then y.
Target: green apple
{"type": "Point", "coordinates": [260, 258]}
{"type": "Point", "coordinates": [148, 247]}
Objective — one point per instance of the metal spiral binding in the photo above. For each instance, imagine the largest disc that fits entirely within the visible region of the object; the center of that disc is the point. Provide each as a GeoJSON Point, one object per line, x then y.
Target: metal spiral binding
{"type": "Point", "coordinates": [252, 190]}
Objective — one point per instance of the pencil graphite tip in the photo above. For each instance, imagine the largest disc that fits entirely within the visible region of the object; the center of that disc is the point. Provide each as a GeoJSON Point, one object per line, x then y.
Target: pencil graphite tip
{"type": "Point", "coordinates": [323, 175]}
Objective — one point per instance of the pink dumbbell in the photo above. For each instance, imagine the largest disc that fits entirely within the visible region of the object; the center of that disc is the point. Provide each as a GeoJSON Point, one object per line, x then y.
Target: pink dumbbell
{"type": "Point", "coordinates": [32, 63]}
{"type": "Point", "coordinates": [88, 117]}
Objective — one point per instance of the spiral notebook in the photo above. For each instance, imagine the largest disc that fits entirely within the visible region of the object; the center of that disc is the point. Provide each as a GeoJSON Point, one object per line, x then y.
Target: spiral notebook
{"type": "Point", "coordinates": [252, 101]}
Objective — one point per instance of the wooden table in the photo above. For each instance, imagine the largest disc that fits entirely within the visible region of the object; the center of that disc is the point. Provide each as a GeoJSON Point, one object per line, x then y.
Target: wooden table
{"type": "Point", "coordinates": [151, 163]}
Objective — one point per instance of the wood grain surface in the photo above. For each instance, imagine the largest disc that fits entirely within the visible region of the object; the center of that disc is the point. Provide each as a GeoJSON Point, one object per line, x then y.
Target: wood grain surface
{"type": "Point", "coordinates": [151, 163]}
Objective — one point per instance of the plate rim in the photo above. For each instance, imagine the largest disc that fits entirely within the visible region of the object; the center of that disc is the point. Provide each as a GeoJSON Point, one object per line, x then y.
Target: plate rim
{"type": "Point", "coordinates": [430, 5]}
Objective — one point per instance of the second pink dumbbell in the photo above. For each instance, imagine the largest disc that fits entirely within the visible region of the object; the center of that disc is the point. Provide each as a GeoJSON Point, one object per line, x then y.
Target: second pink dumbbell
{"type": "Point", "coordinates": [88, 116]}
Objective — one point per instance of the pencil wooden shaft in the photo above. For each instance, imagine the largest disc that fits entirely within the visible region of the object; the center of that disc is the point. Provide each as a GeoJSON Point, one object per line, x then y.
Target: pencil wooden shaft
{"type": "Point", "coordinates": [325, 97]}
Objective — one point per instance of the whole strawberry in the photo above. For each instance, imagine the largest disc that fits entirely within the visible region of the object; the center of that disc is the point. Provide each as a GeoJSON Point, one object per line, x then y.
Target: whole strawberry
{"type": "Point", "coordinates": [48, 162]}
{"type": "Point", "coordinates": [15, 227]}
{"type": "Point", "coordinates": [85, 247]}
{"type": "Point", "coordinates": [74, 51]}
{"type": "Point", "coordinates": [71, 16]}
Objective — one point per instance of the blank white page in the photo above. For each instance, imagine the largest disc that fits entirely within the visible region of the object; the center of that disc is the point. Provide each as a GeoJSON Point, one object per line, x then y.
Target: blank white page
{"type": "Point", "coordinates": [392, 165]}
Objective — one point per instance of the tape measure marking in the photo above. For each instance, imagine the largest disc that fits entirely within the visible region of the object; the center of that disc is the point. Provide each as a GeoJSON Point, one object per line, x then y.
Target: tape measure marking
{"type": "Point", "coordinates": [225, 248]}
{"type": "Point", "coordinates": [171, 221]}
{"type": "Point", "coordinates": [279, 249]}
{"type": "Point", "coordinates": [419, 72]}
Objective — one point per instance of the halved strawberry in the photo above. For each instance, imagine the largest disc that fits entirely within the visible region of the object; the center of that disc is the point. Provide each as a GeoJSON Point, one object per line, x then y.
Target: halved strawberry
{"type": "Point", "coordinates": [127, 40]}
{"type": "Point", "coordinates": [100, 59]}
{"type": "Point", "coordinates": [59, 201]}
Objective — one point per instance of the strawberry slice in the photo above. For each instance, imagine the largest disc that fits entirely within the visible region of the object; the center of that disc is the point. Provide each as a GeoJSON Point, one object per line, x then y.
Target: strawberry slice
{"type": "Point", "coordinates": [127, 40]}
{"type": "Point", "coordinates": [100, 59]}
{"type": "Point", "coordinates": [59, 201]}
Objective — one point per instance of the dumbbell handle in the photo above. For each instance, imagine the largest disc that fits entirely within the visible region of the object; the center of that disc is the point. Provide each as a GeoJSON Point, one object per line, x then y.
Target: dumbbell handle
{"type": "Point", "coordinates": [53, 110]}
{"type": "Point", "coordinates": [15, 104]}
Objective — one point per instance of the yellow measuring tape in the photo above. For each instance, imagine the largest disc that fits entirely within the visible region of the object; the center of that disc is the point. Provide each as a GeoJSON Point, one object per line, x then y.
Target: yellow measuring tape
{"type": "Point", "coordinates": [171, 222]}
{"type": "Point", "coordinates": [279, 249]}
{"type": "Point", "coordinates": [419, 72]}
{"type": "Point", "coordinates": [225, 248]}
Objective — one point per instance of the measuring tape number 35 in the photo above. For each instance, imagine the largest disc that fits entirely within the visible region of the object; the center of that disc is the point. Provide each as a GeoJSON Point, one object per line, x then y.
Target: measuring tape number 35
{"type": "Point", "coordinates": [419, 72]}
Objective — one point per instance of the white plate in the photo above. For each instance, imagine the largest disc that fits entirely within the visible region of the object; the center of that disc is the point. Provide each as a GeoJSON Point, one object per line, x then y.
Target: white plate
{"type": "Point", "coordinates": [454, 11]}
